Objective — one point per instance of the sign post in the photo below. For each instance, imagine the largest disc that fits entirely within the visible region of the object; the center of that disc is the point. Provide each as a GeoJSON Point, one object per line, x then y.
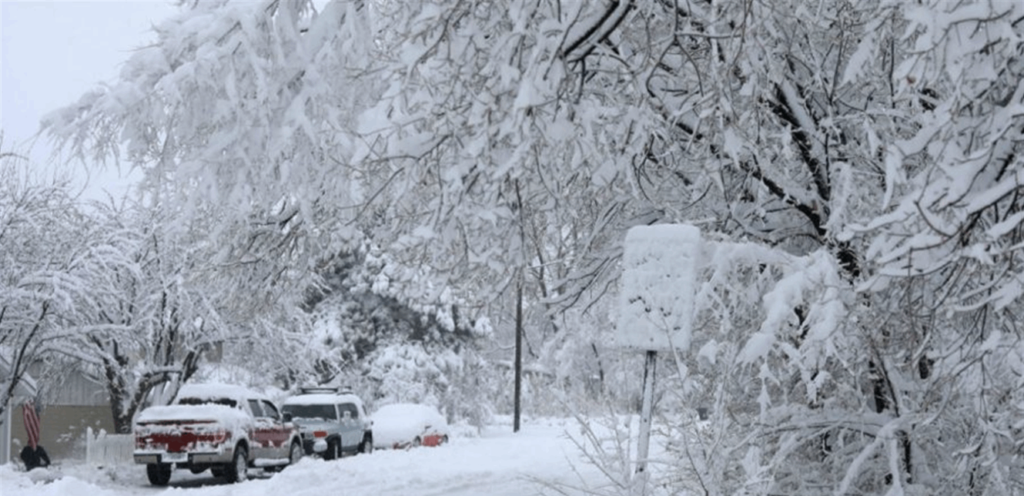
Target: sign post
{"type": "Point", "coordinates": [646, 413]}
{"type": "Point", "coordinates": [656, 309]}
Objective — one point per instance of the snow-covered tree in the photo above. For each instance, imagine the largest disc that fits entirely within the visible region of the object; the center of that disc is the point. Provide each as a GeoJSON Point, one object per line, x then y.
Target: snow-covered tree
{"type": "Point", "coordinates": [234, 112]}
{"type": "Point", "coordinates": [365, 337]}
{"type": "Point", "coordinates": [32, 217]}
{"type": "Point", "coordinates": [154, 324]}
{"type": "Point", "coordinates": [947, 245]}
{"type": "Point", "coordinates": [800, 136]}
{"type": "Point", "coordinates": [864, 153]}
{"type": "Point", "coordinates": [53, 271]}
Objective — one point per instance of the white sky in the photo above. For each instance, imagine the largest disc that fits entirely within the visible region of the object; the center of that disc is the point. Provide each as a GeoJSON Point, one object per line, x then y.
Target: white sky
{"type": "Point", "coordinates": [53, 52]}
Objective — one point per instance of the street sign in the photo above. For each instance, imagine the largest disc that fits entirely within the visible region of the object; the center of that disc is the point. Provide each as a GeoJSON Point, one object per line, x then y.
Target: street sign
{"type": "Point", "coordinates": [659, 268]}
{"type": "Point", "coordinates": [658, 277]}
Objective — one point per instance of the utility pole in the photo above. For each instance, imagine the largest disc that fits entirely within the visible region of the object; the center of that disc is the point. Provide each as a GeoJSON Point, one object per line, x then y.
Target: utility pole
{"type": "Point", "coordinates": [519, 355]}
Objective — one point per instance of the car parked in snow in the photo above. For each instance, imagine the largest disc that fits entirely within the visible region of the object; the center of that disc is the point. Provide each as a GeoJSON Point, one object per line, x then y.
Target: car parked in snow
{"type": "Point", "coordinates": [224, 428]}
{"type": "Point", "coordinates": [407, 425]}
{"type": "Point", "coordinates": [332, 422]}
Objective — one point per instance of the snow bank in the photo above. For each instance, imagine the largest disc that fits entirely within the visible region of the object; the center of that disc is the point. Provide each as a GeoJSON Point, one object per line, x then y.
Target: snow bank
{"type": "Point", "coordinates": [498, 463]}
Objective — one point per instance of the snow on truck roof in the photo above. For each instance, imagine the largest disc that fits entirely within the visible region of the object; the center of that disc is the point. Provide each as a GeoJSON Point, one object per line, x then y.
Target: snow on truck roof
{"type": "Point", "coordinates": [221, 413]}
{"type": "Point", "coordinates": [214, 391]}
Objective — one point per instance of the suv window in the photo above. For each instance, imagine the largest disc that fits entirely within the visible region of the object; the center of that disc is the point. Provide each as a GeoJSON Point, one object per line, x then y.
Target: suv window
{"type": "Point", "coordinates": [323, 412]}
{"type": "Point", "coordinates": [350, 408]}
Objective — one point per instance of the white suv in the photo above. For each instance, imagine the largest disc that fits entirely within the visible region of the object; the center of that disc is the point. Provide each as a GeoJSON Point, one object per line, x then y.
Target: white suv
{"type": "Point", "coordinates": [332, 422]}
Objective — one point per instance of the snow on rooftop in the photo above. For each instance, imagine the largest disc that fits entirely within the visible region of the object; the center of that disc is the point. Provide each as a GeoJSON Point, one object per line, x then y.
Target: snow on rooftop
{"type": "Point", "coordinates": [658, 287]}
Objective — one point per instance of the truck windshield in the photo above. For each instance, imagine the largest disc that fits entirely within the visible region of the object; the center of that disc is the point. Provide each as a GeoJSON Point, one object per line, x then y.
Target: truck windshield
{"type": "Point", "coordinates": [208, 401]}
{"type": "Point", "coordinates": [311, 412]}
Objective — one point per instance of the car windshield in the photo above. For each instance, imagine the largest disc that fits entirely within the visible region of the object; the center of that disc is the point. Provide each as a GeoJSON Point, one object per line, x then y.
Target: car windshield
{"type": "Point", "coordinates": [311, 412]}
{"type": "Point", "coordinates": [208, 401]}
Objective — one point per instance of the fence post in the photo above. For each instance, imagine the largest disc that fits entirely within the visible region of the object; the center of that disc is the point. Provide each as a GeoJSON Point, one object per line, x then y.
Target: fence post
{"type": "Point", "coordinates": [88, 445]}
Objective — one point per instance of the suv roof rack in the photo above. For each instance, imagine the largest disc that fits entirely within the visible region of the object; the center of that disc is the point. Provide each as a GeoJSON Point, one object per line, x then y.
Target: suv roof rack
{"type": "Point", "coordinates": [325, 389]}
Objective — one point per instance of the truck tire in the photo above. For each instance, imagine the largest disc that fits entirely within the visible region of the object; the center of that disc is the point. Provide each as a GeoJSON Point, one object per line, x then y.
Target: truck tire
{"type": "Point", "coordinates": [333, 449]}
{"type": "Point", "coordinates": [159, 474]}
{"type": "Point", "coordinates": [295, 453]}
{"type": "Point", "coordinates": [238, 470]}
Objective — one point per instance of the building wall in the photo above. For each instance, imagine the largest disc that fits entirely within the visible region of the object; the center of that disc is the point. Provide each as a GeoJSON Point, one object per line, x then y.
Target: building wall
{"type": "Point", "coordinates": [62, 429]}
{"type": "Point", "coordinates": [5, 434]}
{"type": "Point", "coordinates": [74, 388]}
{"type": "Point", "coordinates": [68, 409]}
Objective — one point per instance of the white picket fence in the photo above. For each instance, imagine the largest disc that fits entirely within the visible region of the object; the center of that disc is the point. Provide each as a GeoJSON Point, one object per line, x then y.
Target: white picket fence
{"type": "Point", "coordinates": [105, 450]}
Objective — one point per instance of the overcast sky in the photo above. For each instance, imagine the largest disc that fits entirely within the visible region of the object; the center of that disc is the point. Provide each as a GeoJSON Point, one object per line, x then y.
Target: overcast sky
{"type": "Point", "coordinates": [54, 51]}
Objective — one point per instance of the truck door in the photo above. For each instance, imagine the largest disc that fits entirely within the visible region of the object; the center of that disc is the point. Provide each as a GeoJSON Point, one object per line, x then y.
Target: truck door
{"type": "Point", "coordinates": [278, 435]}
{"type": "Point", "coordinates": [259, 438]}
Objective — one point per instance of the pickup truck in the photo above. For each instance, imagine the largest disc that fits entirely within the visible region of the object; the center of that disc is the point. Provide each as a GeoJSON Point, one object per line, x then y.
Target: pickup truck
{"type": "Point", "coordinates": [224, 428]}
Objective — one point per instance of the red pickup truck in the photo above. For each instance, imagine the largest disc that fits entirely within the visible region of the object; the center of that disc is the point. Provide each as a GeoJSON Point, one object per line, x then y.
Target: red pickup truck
{"type": "Point", "coordinates": [224, 428]}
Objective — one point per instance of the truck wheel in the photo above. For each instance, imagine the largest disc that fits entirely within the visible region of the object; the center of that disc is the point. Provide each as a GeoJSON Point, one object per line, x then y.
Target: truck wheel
{"type": "Point", "coordinates": [366, 447]}
{"type": "Point", "coordinates": [295, 454]}
{"type": "Point", "coordinates": [159, 474]}
{"type": "Point", "coordinates": [238, 471]}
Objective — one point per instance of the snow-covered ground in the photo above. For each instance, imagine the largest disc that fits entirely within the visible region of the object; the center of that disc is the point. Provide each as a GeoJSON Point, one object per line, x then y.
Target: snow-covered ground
{"type": "Point", "coordinates": [496, 462]}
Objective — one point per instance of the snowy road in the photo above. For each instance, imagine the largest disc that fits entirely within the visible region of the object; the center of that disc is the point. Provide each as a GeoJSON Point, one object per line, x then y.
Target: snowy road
{"type": "Point", "coordinates": [497, 463]}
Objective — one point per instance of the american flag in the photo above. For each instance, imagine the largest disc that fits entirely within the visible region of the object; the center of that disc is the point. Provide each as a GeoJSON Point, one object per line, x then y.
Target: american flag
{"type": "Point", "coordinates": [28, 412]}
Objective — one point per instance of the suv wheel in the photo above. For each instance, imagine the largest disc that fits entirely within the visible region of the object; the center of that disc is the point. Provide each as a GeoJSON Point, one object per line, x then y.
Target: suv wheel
{"type": "Point", "coordinates": [366, 447]}
{"type": "Point", "coordinates": [333, 450]}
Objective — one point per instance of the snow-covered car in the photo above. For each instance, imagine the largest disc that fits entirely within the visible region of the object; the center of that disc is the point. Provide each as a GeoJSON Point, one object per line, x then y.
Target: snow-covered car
{"type": "Point", "coordinates": [224, 428]}
{"type": "Point", "coordinates": [405, 425]}
{"type": "Point", "coordinates": [331, 421]}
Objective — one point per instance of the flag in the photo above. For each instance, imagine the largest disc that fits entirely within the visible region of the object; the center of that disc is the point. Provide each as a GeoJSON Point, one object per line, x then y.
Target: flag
{"type": "Point", "coordinates": [28, 412]}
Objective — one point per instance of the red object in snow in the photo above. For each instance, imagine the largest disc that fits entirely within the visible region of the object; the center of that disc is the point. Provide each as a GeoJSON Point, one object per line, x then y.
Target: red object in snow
{"type": "Point", "coordinates": [28, 412]}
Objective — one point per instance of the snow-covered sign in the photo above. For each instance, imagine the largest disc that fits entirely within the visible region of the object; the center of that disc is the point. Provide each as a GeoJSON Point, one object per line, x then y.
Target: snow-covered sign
{"type": "Point", "coordinates": [658, 287]}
